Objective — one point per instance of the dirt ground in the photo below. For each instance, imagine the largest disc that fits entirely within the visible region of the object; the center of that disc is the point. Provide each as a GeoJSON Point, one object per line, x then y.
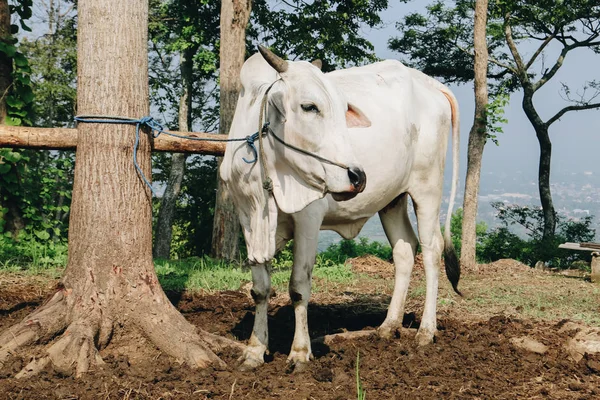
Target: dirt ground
{"type": "Point", "coordinates": [473, 356]}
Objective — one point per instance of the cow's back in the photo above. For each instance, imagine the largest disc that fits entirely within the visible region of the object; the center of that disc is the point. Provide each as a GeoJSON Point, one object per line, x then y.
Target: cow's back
{"type": "Point", "coordinates": [410, 122]}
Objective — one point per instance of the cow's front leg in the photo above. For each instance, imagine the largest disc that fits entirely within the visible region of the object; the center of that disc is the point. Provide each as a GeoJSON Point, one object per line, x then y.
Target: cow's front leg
{"type": "Point", "coordinates": [253, 356]}
{"type": "Point", "coordinates": [306, 237]}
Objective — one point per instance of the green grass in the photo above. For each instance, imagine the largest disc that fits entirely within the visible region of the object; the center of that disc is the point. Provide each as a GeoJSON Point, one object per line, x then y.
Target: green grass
{"type": "Point", "coordinates": [361, 393]}
{"type": "Point", "coordinates": [200, 274]}
{"type": "Point", "coordinates": [548, 297]}
{"type": "Point", "coordinates": [205, 274]}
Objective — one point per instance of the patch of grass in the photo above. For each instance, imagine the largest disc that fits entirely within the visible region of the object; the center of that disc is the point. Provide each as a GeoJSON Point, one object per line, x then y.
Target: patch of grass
{"type": "Point", "coordinates": [206, 274]}
{"type": "Point", "coordinates": [549, 297]}
{"type": "Point", "coordinates": [196, 274]}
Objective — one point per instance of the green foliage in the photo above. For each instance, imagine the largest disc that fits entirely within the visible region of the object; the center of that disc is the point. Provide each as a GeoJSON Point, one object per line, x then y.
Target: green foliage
{"type": "Point", "coordinates": [53, 59]}
{"type": "Point", "coordinates": [35, 186]}
{"type": "Point", "coordinates": [19, 95]}
{"type": "Point", "coordinates": [184, 29]}
{"type": "Point", "coordinates": [196, 206]}
{"type": "Point", "coordinates": [501, 243]}
{"type": "Point", "coordinates": [456, 232]}
{"type": "Point", "coordinates": [494, 115]}
{"type": "Point", "coordinates": [339, 252]}
{"type": "Point", "coordinates": [440, 43]}
{"type": "Point", "coordinates": [31, 253]}
{"type": "Point", "coordinates": [326, 30]}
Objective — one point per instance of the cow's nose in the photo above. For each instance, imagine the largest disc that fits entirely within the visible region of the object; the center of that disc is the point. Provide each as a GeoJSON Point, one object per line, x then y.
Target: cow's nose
{"type": "Point", "coordinates": [358, 179]}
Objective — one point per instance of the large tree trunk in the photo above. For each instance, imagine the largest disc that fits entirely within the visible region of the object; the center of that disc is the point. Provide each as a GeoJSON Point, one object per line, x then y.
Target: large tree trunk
{"type": "Point", "coordinates": [110, 280]}
{"type": "Point", "coordinates": [477, 139]}
{"type": "Point", "coordinates": [234, 19]}
{"type": "Point", "coordinates": [164, 223]}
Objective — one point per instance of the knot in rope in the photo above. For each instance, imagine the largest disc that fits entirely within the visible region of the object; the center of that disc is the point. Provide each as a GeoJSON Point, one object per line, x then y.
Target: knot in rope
{"type": "Point", "coordinates": [250, 139]}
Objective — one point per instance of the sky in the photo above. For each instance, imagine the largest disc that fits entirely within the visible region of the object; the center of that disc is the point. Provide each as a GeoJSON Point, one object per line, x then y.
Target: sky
{"type": "Point", "coordinates": [575, 137]}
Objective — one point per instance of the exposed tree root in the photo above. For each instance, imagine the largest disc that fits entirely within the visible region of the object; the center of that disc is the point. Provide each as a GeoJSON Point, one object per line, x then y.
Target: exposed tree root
{"type": "Point", "coordinates": [217, 343]}
{"type": "Point", "coordinates": [329, 339]}
{"type": "Point", "coordinates": [43, 324]}
{"type": "Point", "coordinates": [352, 335]}
{"type": "Point", "coordinates": [171, 333]}
{"type": "Point", "coordinates": [75, 352]}
{"type": "Point", "coordinates": [90, 327]}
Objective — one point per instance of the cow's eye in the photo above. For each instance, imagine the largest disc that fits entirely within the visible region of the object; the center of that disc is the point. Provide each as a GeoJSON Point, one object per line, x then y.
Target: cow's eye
{"type": "Point", "coordinates": [309, 108]}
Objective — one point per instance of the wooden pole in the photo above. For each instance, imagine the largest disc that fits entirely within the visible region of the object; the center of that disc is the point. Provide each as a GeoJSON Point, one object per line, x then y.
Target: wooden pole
{"type": "Point", "coordinates": [595, 264]}
{"type": "Point", "coordinates": [66, 139]}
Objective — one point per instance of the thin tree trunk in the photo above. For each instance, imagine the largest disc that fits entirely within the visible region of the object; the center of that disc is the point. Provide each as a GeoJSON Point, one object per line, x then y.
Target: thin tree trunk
{"type": "Point", "coordinates": [164, 223]}
{"type": "Point", "coordinates": [5, 61]}
{"type": "Point", "coordinates": [541, 131]}
{"type": "Point", "coordinates": [544, 183]}
{"type": "Point", "coordinates": [477, 139]}
{"type": "Point", "coordinates": [110, 280]}
{"type": "Point", "coordinates": [234, 19]}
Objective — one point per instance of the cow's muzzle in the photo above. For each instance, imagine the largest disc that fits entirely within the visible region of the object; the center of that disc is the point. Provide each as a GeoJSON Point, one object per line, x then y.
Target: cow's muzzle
{"type": "Point", "coordinates": [358, 179]}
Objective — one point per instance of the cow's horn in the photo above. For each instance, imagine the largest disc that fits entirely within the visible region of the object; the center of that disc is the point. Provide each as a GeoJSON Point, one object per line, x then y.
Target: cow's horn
{"type": "Point", "coordinates": [279, 64]}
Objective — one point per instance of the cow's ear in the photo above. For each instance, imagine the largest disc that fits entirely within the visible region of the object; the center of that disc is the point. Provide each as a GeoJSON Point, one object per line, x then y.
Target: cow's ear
{"type": "Point", "coordinates": [355, 118]}
{"type": "Point", "coordinates": [317, 63]}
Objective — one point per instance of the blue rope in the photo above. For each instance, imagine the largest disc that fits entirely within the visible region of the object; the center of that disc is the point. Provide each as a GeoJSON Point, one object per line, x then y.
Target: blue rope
{"type": "Point", "coordinates": [156, 129]}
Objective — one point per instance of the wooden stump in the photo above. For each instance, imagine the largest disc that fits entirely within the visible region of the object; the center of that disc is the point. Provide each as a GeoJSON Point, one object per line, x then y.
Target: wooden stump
{"type": "Point", "coordinates": [595, 275]}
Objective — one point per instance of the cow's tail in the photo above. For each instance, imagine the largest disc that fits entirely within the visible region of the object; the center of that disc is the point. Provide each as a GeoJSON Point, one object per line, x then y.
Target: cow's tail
{"type": "Point", "coordinates": [450, 258]}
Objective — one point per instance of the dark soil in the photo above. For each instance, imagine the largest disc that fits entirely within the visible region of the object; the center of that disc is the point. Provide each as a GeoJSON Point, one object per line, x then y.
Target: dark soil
{"type": "Point", "coordinates": [468, 360]}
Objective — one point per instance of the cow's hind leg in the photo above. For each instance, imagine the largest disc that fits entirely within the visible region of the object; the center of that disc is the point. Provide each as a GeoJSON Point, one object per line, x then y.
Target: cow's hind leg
{"type": "Point", "coordinates": [427, 206]}
{"type": "Point", "coordinates": [253, 356]}
{"type": "Point", "coordinates": [403, 240]}
{"type": "Point", "coordinates": [306, 236]}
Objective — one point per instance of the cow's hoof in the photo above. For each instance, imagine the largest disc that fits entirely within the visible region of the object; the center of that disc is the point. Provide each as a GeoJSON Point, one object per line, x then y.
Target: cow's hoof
{"type": "Point", "coordinates": [388, 331]}
{"type": "Point", "coordinates": [249, 364]}
{"type": "Point", "coordinates": [297, 367]}
{"type": "Point", "coordinates": [424, 337]}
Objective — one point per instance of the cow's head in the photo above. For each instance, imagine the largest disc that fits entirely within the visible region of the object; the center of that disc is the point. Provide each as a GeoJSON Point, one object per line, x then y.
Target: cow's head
{"type": "Point", "coordinates": [309, 112]}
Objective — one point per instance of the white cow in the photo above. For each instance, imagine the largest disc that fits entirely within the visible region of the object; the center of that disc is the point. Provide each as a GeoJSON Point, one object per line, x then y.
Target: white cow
{"type": "Point", "coordinates": [398, 120]}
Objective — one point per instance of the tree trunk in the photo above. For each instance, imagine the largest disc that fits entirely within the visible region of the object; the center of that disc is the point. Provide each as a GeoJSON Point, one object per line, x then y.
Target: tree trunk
{"type": "Point", "coordinates": [164, 223]}
{"type": "Point", "coordinates": [5, 61]}
{"type": "Point", "coordinates": [110, 280]}
{"type": "Point", "coordinates": [477, 139]}
{"type": "Point", "coordinates": [234, 19]}
{"type": "Point", "coordinates": [544, 183]}
{"type": "Point", "coordinates": [541, 131]}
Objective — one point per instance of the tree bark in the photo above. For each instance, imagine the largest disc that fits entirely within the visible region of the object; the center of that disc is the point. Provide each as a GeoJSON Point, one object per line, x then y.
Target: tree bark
{"type": "Point", "coordinates": [164, 224]}
{"type": "Point", "coordinates": [544, 182]}
{"type": "Point", "coordinates": [541, 132]}
{"type": "Point", "coordinates": [234, 19]}
{"type": "Point", "coordinates": [110, 280]}
{"type": "Point", "coordinates": [5, 61]}
{"type": "Point", "coordinates": [477, 139]}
